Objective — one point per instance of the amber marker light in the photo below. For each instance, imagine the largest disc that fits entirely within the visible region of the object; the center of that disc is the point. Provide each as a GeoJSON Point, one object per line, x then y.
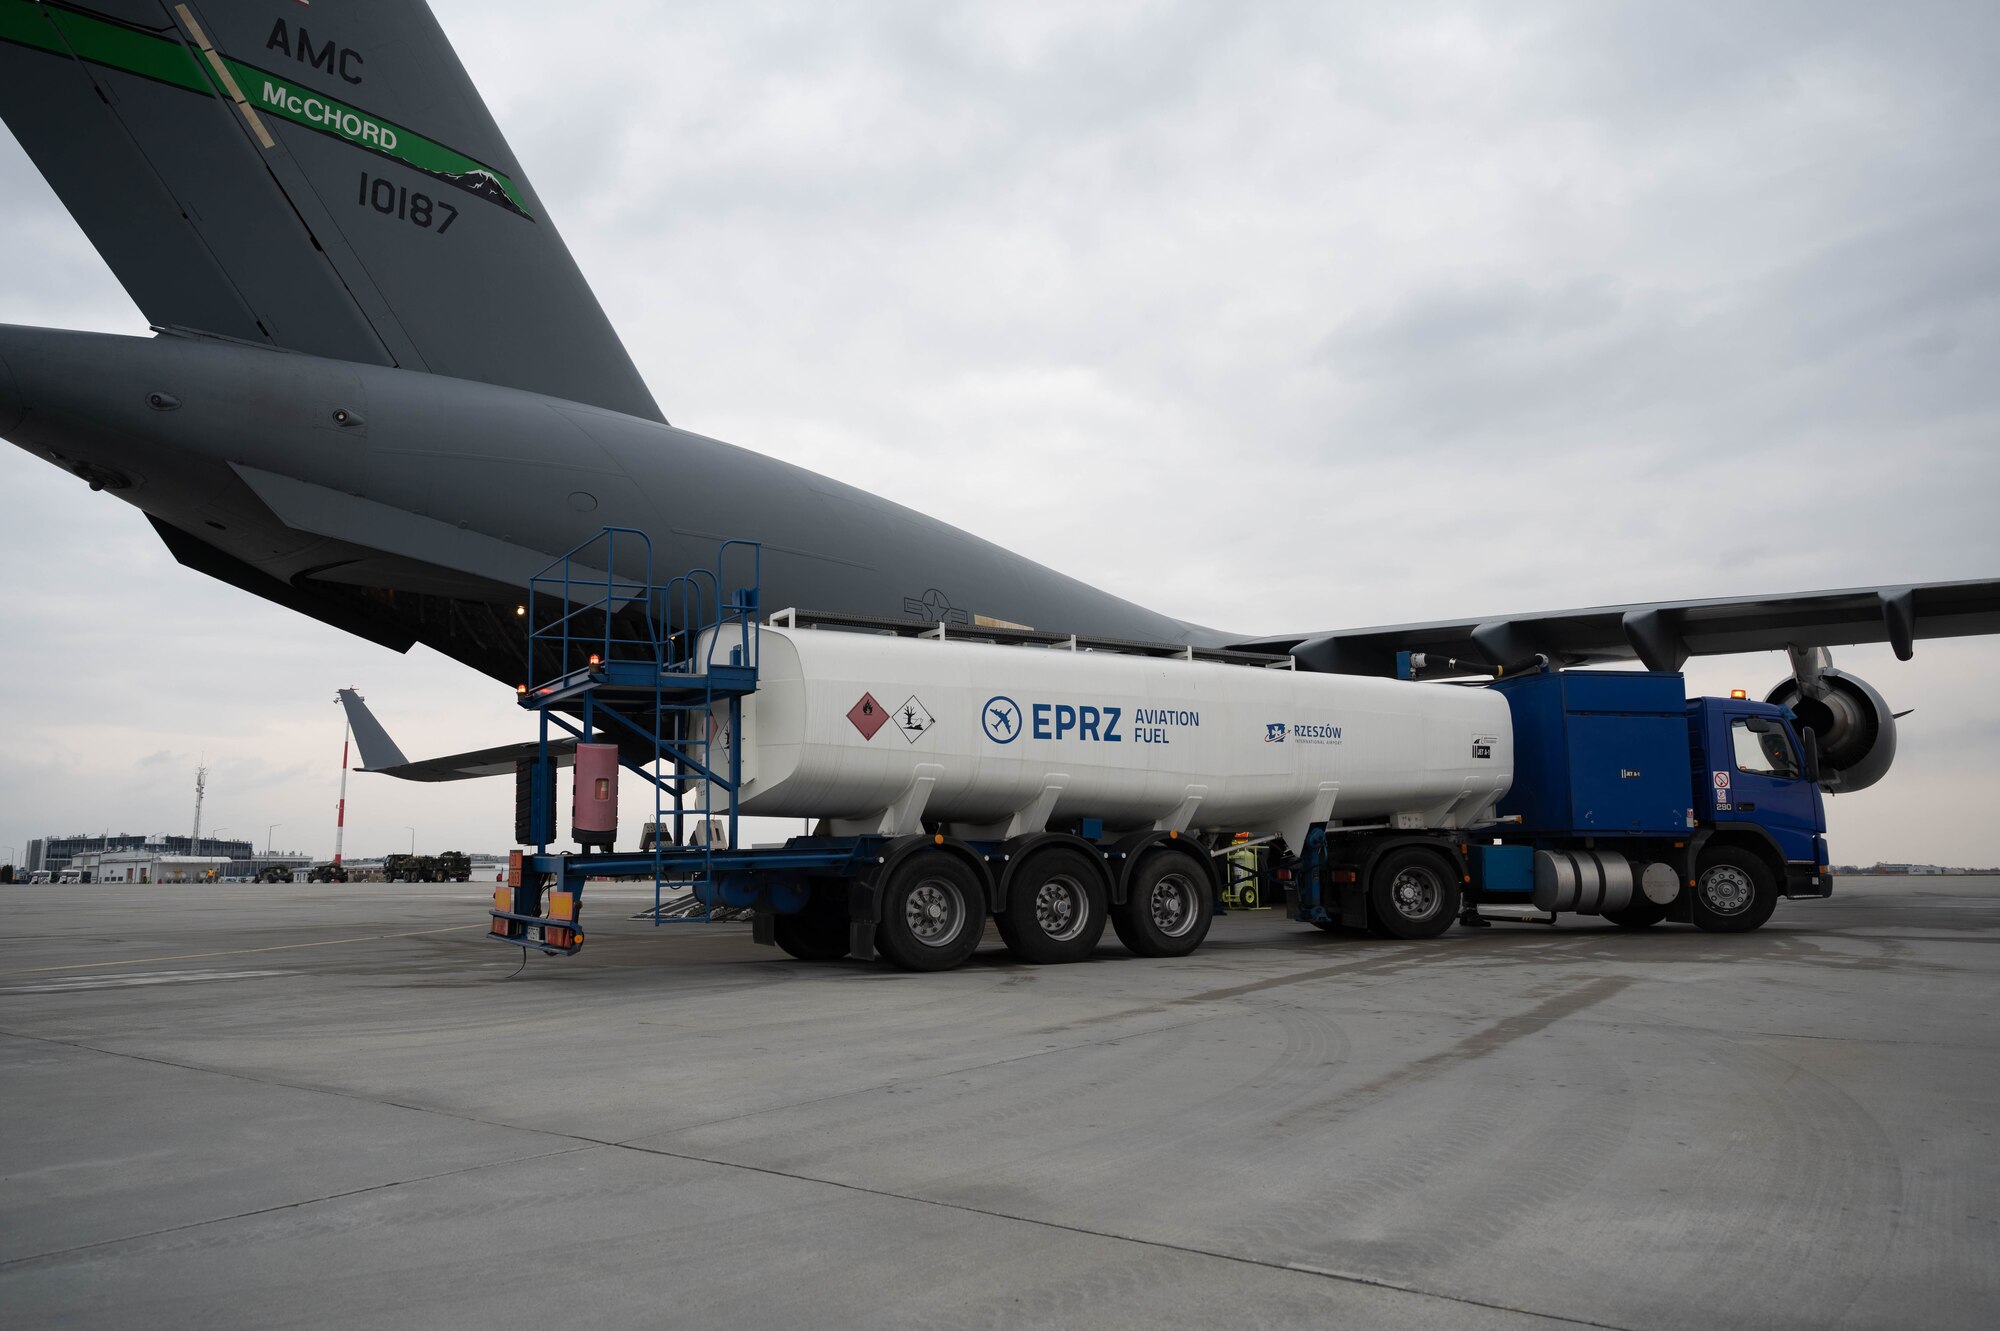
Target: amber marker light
{"type": "Point", "coordinates": [1738, 694]}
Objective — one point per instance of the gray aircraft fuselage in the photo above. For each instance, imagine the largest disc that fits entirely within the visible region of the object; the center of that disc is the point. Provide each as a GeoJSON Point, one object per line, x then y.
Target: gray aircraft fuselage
{"type": "Point", "coordinates": [415, 505]}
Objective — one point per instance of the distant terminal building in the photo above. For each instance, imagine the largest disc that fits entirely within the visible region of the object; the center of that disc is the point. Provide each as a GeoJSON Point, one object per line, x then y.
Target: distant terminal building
{"type": "Point", "coordinates": [55, 853]}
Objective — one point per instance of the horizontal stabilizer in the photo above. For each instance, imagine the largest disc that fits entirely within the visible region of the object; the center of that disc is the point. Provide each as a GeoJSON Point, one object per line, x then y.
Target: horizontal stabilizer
{"type": "Point", "coordinates": [306, 507]}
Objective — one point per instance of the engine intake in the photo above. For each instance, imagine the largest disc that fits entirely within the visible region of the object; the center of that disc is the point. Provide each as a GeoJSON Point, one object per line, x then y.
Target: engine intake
{"type": "Point", "coordinates": [1853, 727]}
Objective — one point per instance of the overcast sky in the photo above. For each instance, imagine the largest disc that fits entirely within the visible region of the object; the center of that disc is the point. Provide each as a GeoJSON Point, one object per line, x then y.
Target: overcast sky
{"type": "Point", "coordinates": [1269, 317]}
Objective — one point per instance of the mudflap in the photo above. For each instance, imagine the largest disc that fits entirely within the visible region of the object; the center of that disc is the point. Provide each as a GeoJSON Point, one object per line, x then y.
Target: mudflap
{"type": "Point", "coordinates": [863, 913]}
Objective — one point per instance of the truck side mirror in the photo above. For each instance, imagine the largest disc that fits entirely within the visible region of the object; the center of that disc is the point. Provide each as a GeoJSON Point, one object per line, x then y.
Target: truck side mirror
{"type": "Point", "coordinates": [1810, 741]}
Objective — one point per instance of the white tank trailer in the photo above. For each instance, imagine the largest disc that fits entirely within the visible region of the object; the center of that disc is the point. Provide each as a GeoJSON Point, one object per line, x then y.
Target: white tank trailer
{"type": "Point", "coordinates": [1061, 787]}
{"type": "Point", "coordinates": [878, 734]}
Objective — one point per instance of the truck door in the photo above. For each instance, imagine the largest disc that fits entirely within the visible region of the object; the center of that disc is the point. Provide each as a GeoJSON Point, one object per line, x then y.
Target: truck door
{"type": "Point", "coordinates": [1768, 785]}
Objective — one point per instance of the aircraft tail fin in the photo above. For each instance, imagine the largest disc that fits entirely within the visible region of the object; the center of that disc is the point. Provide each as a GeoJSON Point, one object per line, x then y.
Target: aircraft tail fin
{"type": "Point", "coordinates": [325, 181]}
{"type": "Point", "coordinates": [381, 756]}
{"type": "Point", "coordinates": [377, 749]}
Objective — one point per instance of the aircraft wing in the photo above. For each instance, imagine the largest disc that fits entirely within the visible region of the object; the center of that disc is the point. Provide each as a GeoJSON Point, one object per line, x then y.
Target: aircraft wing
{"type": "Point", "coordinates": [1661, 634]}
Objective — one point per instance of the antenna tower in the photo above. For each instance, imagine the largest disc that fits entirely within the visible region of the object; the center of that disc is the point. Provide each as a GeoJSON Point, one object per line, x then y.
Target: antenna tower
{"type": "Point", "coordinates": [200, 790]}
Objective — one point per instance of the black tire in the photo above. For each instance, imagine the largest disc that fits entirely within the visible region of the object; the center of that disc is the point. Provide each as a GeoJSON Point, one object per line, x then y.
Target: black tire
{"type": "Point", "coordinates": [1733, 891]}
{"type": "Point", "coordinates": [1168, 905]}
{"type": "Point", "coordinates": [819, 932]}
{"type": "Point", "coordinates": [1643, 913]}
{"type": "Point", "coordinates": [1055, 908]}
{"type": "Point", "coordinates": [1412, 893]}
{"type": "Point", "coordinates": [933, 912]}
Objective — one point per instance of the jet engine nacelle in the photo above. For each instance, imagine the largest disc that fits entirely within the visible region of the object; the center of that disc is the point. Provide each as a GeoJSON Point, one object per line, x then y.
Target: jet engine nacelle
{"type": "Point", "coordinates": [1852, 726]}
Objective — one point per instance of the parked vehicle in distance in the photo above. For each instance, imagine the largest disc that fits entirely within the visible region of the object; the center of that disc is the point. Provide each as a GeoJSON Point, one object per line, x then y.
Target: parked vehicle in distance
{"type": "Point", "coordinates": [275, 873]}
{"type": "Point", "coordinates": [400, 868]}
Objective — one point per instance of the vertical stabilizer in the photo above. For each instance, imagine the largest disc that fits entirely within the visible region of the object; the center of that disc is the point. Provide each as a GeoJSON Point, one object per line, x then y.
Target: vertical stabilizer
{"type": "Point", "coordinates": [323, 179]}
{"type": "Point", "coordinates": [377, 749]}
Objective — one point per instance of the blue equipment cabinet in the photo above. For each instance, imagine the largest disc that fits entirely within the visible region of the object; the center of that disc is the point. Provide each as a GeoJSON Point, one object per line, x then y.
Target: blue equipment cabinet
{"type": "Point", "coordinates": [1600, 753]}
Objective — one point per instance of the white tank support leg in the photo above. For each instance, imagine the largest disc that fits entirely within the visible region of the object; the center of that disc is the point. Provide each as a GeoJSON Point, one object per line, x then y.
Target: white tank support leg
{"type": "Point", "coordinates": [1467, 807]}
{"type": "Point", "coordinates": [1183, 813]}
{"type": "Point", "coordinates": [906, 816]}
{"type": "Point", "coordinates": [1294, 826]}
{"type": "Point", "coordinates": [1035, 818]}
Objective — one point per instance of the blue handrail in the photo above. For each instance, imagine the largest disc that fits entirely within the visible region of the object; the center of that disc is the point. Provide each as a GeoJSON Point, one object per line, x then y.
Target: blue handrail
{"type": "Point", "coordinates": [590, 628]}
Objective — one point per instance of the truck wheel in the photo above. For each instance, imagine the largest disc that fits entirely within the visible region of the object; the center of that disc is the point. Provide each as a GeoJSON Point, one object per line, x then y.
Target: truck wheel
{"type": "Point", "coordinates": [1733, 892]}
{"type": "Point", "coordinates": [933, 912]}
{"type": "Point", "coordinates": [1167, 908]}
{"type": "Point", "coordinates": [1413, 894]}
{"type": "Point", "coordinates": [1643, 913]}
{"type": "Point", "coordinates": [1055, 909]}
{"type": "Point", "coordinates": [820, 931]}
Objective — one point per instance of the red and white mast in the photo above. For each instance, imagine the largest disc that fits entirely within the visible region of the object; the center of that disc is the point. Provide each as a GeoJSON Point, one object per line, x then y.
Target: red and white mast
{"type": "Point", "coordinates": [340, 813]}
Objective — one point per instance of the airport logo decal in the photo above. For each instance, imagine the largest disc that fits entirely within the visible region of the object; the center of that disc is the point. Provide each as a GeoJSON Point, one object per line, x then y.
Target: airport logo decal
{"type": "Point", "coordinates": [1001, 719]}
{"type": "Point", "coordinates": [867, 716]}
{"type": "Point", "coordinates": [1304, 732]}
{"type": "Point", "coordinates": [913, 719]}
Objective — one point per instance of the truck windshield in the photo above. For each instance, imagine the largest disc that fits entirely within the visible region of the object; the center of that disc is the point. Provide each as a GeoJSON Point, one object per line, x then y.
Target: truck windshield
{"type": "Point", "coordinates": [1767, 754]}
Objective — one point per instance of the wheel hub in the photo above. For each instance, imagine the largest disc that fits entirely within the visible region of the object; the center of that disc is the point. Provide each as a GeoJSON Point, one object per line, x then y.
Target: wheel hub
{"type": "Point", "coordinates": [1726, 890]}
{"type": "Point", "coordinates": [1171, 904]}
{"type": "Point", "coordinates": [1414, 894]}
{"type": "Point", "coordinates": [1059, 911]}
{"type": "Point", "coordinates": [934, 913]}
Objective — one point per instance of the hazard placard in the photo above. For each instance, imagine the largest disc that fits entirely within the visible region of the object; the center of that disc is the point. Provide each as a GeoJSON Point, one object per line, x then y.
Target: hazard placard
{"type": "Point", "coordinates": [913, 718]}
{"type": "Point", "coordinates": [867, 716]}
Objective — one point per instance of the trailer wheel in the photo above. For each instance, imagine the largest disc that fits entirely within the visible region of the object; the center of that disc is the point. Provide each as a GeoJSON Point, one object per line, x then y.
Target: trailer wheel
{"type": "Point", "coordinates": [1055, 908]}
{"type": "Point", "coordinates": [1733, 891]}
{"type": "Point", "coordinates": [1168, 906]}
{"type": "Point", "coordinates": [819, 932]}
{"type": "Point", "coordinates": [933, 912]}
{"type": "Point", "coordinates": [1413, 894]}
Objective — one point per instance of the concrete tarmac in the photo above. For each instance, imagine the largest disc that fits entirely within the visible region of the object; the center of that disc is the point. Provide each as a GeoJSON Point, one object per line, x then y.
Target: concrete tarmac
{"type": "Point", "coordinates": [289, 1106]}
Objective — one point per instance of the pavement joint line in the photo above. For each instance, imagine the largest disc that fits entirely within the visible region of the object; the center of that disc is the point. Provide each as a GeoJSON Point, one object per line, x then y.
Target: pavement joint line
{"type": "Point", "coordinates": [288, 1206]}
{"type": "Point", "coordinates": [305, 1087]}
{"type": "Point", "coordinates": [1162, 1245]}
{"type": "Point", "coordinates": [240, 951]}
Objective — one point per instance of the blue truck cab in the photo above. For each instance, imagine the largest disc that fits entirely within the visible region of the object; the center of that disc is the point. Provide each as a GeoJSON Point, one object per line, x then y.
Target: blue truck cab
{"type": "Point", "coordinates": [1755, 778]}
{"type": "Point", "coordinates": [1710, 805]}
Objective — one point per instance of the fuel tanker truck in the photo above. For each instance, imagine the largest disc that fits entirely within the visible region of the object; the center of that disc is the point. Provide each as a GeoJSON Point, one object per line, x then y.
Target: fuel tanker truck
{"type": "Point", "coordinates": [1060, 786]}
